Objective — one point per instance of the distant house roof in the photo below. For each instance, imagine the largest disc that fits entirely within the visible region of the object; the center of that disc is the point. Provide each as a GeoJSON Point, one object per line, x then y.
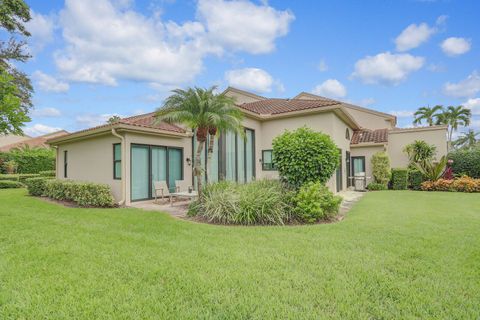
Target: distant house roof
{"type": "Point", "coordinates": [369, 136]}
{"type": "Point", "coordinates": [37, 142]}
{"type": "Point", "coordinates": [143, 121]}
{"type": "Point", "coordinates": [278, 106]}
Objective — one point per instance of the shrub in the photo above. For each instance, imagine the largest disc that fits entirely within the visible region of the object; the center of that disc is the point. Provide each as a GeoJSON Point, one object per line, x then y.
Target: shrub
{"type": "Point", "coordinates": [415, 179]}
{"type": "Point", "coordinates": [47, 173]}
{"type": "Point", "coordinates": [399, 179]}
{"type": "Point", "coordinates": [462, 184]}
{"type": "Point", "coordinates": [381, 168]}
{"type": "Point", "coordinates": [466, 162]}
{"type": "Point", "coordinates": [17, 177]}
{"type": "Point", "coordinates": [36, 186]}
{"type": "Point", "coordinates": [304, 156]}
{"type": "Point", "coordinates": [430, 170]}
{"type": "Point", "coordinates": [375, 186]}
{"type": "Point", "coordinates": [30, 160]}
{"type": "Point", "coordinates": [315, 202]}
{"type": "Point", "coordinates": [85, 194]}
{"type": "Point", "coordinates": [419, 151]}
{"type": "Point", "coordinates": [257, 202]}
{"type": "Point", "coordinates": [10, 166]}
{"type": "Point", "coordinates": [8, 184]}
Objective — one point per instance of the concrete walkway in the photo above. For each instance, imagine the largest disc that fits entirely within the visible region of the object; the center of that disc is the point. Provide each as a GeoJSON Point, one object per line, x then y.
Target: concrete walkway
{"type": "Point", "coordinates": [178, 210]}
{"type": "Point", "coordinates": [349, 199]}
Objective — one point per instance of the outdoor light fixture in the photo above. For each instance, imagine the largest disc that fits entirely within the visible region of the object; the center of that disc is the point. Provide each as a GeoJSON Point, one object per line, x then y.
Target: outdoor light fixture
{"type": "Point", "coordinates": [189, 161]}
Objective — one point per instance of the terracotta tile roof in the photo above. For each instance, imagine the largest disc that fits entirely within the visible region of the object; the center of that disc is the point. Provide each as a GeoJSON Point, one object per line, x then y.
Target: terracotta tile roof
{"type": "Point", "coordinates": [369, 136]}
{"type": "Point", "coordinates": [37, 142]}
{"type": "Point", "coordinates": [278, 106]}
{"type": "Point", "coordinates": [148, 120]}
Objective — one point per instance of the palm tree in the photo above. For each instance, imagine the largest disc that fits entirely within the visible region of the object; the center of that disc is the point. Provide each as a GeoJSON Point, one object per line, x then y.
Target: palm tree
{"type": "Point", "coordinates": [206, 113]}
{"type": "Point", "coordinates": [430, 115]}
{"type": "Point", "coordinates": [467, 140]}
{"type": "Point", "coordinates": [454, 117]}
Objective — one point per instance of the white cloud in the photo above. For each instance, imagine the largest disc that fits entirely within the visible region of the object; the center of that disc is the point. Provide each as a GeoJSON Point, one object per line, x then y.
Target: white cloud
{"type": "Point", "coordinates": [93, 120]}
{"type": "Point", "coordinates": [402, 113]}
{"type": "Point", "coordinates": [40, 129]}
{"type": "Point", "coordinates": [466, 88]}
{"type": "Point", "coordinates": [243, 25]}
{"type": "Point", "coordinates": [322, 66]}
{"type": "Point", "coordinates": [366, 102]}
{"type": "Point", "coordinates": [46, 112]}
{"type": "Point", "coordinates": [108, 42]}
{"type": "Point", "coordinates": [49, 83]}
{"type": "Point", "coordinates": [250, 79]}
{"type": "Point", "coordinates": [413, 36]}
{"type": "Point", "coordinates": [456, 46]}
{"type": "Point", "coordinates": [474, 105]}
{"type": "Point", "coordinates": [387, 68]}
{"type": "Point", "coordinates": [41, 27]}
{"type": "Point", "coordinates": [331, 88]}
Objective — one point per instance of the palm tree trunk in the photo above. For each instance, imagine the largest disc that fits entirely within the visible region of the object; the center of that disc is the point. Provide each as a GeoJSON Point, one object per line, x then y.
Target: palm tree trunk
{"type": "Point", "coordinates": [450, 134]}
{"type": "Point", "coordinates": [211, 143]}
{"type": "Point", "coordinates": [197, 171]}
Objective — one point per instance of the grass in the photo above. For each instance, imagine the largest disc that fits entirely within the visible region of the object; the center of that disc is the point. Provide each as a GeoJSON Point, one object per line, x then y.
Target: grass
{"type": "Point", "coordinates": [398, 254]}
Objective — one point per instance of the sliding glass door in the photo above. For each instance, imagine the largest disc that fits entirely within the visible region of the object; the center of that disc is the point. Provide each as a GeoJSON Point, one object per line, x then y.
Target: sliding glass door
{"type": "Point", "coordinates": [154, 163]}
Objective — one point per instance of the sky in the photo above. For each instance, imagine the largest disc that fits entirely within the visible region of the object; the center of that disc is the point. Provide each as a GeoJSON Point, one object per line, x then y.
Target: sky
{"type": "Point", "coordinates": [96, 58]}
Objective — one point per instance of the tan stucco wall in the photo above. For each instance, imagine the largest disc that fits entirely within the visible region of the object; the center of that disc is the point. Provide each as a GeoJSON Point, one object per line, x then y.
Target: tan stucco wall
{"type": "Point", "coordinates": [90, 160]}
{"type": "Point", "coordinates": [397, 140]}
{"type": "Point", "coordinates": [367, 152]}
{"type": "Point", "coordinates": [369, 120]}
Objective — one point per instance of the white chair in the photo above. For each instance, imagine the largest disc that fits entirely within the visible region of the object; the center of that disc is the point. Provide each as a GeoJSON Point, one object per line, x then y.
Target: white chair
{"type": "Point", "coordinates": [181, 186]}
{"type": "Point", "coordinates": [161, 189]}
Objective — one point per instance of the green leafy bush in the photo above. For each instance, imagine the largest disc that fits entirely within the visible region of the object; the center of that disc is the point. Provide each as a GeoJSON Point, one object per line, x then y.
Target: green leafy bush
{"type": "Point", "coordinates": [85, 194]}
{"type": "Point", "coordinates": [17, 177]}
{"type": "Point", "coordinates": [30, 160]}
{"type": "Point", "coordinates": [419, 151]}
{"type": "Point", "coordinates": [415, 179]}
{"type": "Point", "coordinates": [257, 202]}
{"type": "Point", "coordinates": [381, 168]}
{"type": "Point", "coordinates": [375, 186]}
{"type": "Point", "coordinates": [10, 166]}
{"type": "Point", "coordinates": [315, 202]}
{"type": "Point", "coordinates": [36, 186]}
{"type": "Point", "coordinates": [399, 179]}
{"type": "Point", "coordinates": [432, 171]}
{"type": "Point", "coordinates": [466, 162]}
{"type": "Point", "coordinates": [8, 184]}
{"type": "Point", "coordinates": [47, 173]}
{"type": "Point", "coordinates": [304, 156]}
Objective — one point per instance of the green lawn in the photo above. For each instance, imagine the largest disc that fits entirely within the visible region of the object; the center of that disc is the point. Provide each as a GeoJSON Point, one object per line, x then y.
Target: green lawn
{"type": "Point", "coordinates": [396, 255]}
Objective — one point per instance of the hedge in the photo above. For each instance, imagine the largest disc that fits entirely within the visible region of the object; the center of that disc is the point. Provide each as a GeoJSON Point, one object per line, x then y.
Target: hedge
{"type": "Point", "coordinates": [47, 173]}
{"type": "Point", "coordinates": [375, 186]}
{"type": "Point", "coordinates": [415, 179]}
{"type": "Point", "coordinates": [18, 177]}
{"type": "Point", "coordinates": [85, 194]}
{"type": "Point", "coordinates": [8, 184]}
{"type": "Point", "coordinates": [31, 160]}
{"type": "Point", "coordinates": [36, 186]}
{"type": "Point", "coordinates": [466, 162]}
{"type": "Point", "coordinates": [399, 179]}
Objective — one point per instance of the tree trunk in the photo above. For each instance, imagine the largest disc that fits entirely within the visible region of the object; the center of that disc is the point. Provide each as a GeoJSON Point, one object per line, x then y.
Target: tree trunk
{"type": "Point", "coordinates": [197, 171]}
{"type": "Point", "coordinates": [210, 155]}
{"type": "Point", "coordinates": [449, 144]}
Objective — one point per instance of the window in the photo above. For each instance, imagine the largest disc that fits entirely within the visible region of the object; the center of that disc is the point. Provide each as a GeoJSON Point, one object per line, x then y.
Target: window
{"type": "Point", "coordinates": [347, 134]}
{"type": "Point", "coordinates": [65, 163]}
{"type": "Point", "coordinates": [267, 160]}
{"type": "Point", "coordinates": [117, 161]}
{"type": "Point", "coordinates": [358, 165]}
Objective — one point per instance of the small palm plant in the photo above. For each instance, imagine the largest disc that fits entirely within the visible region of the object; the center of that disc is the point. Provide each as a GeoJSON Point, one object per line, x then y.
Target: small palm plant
{"type": "Point", "coordinates": [206, 113]}
{"type": "Point", "coordinates": [432, 171]}
{"type": "Point", "coordinates": [427, 114]}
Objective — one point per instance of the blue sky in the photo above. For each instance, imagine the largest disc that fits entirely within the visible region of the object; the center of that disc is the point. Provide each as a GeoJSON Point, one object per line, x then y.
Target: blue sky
{"type": "Point", "coordinates": [96, 58]}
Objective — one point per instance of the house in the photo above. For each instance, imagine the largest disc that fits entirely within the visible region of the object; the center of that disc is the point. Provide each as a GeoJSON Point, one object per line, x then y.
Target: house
{"type": "Point", "coordinates": [132, 153]}
{"type": "Point", "coordinates": [26, 141]}
{"type": "Point", "coordinates": [6, 139]}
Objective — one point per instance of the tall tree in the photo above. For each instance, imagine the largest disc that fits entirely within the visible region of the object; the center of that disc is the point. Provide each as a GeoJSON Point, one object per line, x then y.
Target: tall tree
{"type": "Point", "coordinates": [427, 114]}
{"type": "Point", "coordinates": [467, 140]}
{"type": "Point", "coordinates": [454, 117]}
{"type": "Point", "coordinates": [13, 16]}
{"type": "Point", "coordinates": [113, 119]}
{"type": "Point", "coordinates": [204, 112]}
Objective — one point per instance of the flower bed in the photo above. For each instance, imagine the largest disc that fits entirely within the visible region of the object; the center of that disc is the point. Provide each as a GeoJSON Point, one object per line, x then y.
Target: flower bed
{"type": "Point", "coordinates": [462, 184]}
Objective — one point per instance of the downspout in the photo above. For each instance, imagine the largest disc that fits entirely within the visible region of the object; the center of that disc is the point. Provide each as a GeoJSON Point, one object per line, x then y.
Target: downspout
{"type": "Point", "coordinates": [124, 164]}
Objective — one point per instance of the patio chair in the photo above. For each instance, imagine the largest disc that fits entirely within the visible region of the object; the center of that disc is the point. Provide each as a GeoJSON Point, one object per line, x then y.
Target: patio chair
{"type": "Point", "coordinates": [181, 186]}
{"type": "Point", "coordinates": [161, 189]}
